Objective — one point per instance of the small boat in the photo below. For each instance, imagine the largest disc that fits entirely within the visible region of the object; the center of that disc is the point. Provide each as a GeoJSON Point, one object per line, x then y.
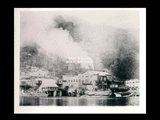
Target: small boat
{"type": "Point", "coordinates": [124, 93]}
{"type": "Point", "coordinates": [118, 95]}
{"type": "Point", "coordinates": [130, 95]}
{"type": "Point", "coordinates": [90, 93]}
{"type": "Point", "coordinates": [97, 93]}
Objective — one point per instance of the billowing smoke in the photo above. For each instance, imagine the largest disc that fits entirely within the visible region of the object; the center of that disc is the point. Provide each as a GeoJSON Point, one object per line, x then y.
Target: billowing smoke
{"type": "Point", "coordinates": [113, 48]}
{"type": "Point", "coordinates": [89, 37]}
{"type": "Point", "coordinates": [40, 28]}
{"type": "Point", "coordinates": [124, 60]}
{"type": "Point", "coordinates": [107, 46]}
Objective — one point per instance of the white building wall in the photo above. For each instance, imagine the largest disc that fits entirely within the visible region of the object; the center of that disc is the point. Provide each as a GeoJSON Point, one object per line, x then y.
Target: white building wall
{"type": "Point", "coordinates": [87, 77]}
{"type": "Point", "coordinates": [71, 81]}
{"type": "Point", "coordinates": [132, 83]}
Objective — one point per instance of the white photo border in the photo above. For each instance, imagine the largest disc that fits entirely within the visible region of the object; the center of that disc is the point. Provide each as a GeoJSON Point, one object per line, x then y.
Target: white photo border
{"type": "Point", "coordinates": [73, 109]}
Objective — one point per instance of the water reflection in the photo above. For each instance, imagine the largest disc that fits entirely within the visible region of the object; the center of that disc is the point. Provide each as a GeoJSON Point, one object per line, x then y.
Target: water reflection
{"type": "Point", "coordinates": [77, 101]}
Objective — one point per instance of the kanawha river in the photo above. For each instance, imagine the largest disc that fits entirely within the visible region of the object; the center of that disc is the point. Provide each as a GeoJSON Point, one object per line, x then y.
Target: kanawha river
{"type": "Point", "coordinates": [79, 101]}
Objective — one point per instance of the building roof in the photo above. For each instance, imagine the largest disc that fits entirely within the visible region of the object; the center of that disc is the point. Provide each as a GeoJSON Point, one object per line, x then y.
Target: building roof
{"type": "Point", "coordinates": [104, 73]}
{"type": "Point", "coordinates": [98, 72]}
{"type": "Point", "coordinates": [47, 83]}
{"type": "Point", "coordinates": [24, 77]}
{"type": "Point", "coordinates": [65, 77]}
{"type": "Point", "coordinates": [38, 73]}
{"type": "Point", "coordinates": [133, 80]}
{"type": "Point", "coordinates": [27, 82]}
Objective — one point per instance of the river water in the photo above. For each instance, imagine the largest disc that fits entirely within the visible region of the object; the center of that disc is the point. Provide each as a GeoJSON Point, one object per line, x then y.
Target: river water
{"type": "Point", "coordinates": [79, 101]}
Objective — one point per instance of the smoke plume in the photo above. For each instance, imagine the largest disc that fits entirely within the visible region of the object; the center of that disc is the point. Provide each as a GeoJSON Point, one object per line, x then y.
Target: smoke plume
{"type": "Point", "coordinates": [40, 28]}
{"type": "Point", "coordinates": [65, 36]}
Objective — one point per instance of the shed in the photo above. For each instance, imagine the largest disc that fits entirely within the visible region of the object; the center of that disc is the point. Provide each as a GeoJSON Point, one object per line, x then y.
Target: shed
{"type": "Point", "coordinates": [47, 83]}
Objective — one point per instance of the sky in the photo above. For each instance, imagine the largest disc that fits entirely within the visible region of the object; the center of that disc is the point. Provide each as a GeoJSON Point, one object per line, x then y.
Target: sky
{"type": "Point", "coordinates": [115, 18]}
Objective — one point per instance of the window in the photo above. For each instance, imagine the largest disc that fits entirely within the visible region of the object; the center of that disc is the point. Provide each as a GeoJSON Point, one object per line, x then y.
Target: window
{"type": "Point", "coordinates": [104, 78]}
{"type": "Point", "coordinates": [76, 80]}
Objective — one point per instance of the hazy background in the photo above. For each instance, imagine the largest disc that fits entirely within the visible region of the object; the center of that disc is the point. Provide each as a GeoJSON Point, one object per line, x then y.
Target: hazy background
{"type": "Point", "coordinates": [109, 38]}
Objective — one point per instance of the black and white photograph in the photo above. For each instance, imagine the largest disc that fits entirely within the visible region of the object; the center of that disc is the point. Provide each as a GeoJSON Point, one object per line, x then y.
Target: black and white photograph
{"type": "Point", "coordinates": [79, 60]}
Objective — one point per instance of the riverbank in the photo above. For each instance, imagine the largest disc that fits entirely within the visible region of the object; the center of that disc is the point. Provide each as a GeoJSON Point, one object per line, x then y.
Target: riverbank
{"type": "Point", "coordinates": [129, 93]}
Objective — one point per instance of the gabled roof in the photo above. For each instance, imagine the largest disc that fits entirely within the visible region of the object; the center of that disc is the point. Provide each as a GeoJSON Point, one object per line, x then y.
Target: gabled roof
{"type": "Point", "coordinates": [47, 82]}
